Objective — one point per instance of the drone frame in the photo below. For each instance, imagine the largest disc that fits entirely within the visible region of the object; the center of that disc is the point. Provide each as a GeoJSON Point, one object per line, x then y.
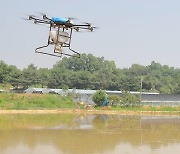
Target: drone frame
{"type": "Point", "coordinates": [64, 45]}
{"type": "Point", "coordinates": [62, 25]}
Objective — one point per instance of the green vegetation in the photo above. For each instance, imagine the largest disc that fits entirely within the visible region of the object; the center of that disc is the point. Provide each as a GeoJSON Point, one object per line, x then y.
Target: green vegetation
{"type": "Point", "coordinates": [138, 109]}
{"type": "Point", "coordinates": [128, 99]}
{"type": "Point", "coordinates": [53, 101]}
{"type": "Point", "coordinates": [34, 101]}
{"type": "Point", "coordinates": [125, 100]}
{"type": "Point", "coordinates": [99, 97]}
{"type": "Point", "coordinates": [146, 108]}
{"type": "Point", "coordinates": [89, 72]}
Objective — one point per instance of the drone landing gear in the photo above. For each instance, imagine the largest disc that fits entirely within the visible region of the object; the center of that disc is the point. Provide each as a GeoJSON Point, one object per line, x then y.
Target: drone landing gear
{"type": "Point", "coordinates": [58, 52]}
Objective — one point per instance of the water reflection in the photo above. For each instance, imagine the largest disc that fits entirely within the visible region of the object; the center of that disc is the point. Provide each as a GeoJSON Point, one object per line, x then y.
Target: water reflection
{"type": "Point", "coordinates": [61, 133]}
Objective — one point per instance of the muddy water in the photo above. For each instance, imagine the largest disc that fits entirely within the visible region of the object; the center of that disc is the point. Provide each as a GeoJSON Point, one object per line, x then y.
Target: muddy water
{"type": "Point", "coordinates": [107, 134]}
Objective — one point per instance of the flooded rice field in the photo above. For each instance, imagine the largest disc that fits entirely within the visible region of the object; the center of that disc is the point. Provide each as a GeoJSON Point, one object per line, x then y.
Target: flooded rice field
{"type": "Point", "coordinates": [92, 134]}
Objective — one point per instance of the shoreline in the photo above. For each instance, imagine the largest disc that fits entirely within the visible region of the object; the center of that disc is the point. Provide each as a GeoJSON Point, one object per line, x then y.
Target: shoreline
{"type": "Point", "coordinates": [82, 111]}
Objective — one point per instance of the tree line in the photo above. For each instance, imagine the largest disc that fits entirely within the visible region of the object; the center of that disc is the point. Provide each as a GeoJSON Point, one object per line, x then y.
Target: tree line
{"type": "Point", "coordinates": [90, 72]}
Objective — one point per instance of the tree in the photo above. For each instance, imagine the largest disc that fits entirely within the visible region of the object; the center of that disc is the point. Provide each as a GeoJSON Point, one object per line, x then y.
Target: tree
{"type": "Point", "coordinates": [14, 77]}
{"type": "Point", "coordinates": [82, 80]}
{"type": "Point", "coordinates": [43, 75]}
{"type": "Point", "coordinates": [60, 78]}
{"type": "Point", "coordinates": [3, 71]}
{"type": "Point", "coordinates": [130, 83]}
{"type": "Point", "coordinates": [29, 76]}
{"type": "Point", "coordinates": [90, 72]}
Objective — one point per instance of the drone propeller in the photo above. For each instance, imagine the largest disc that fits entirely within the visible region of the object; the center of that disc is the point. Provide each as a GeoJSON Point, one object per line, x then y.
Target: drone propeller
{"type": "Point", "coordinates": [92, 28]}
{"type": "Point", "coordinates": [89, 28]}
{"type": "Point", "coordinates": [44, 16]}
{"type": "Point", "coordinates": [88, 24]}
{"type": "Point", "coordinates": [35, 21]}
{"type": "Point", "coordinates": [77, 29]}
{"type": "Point", "coordinates": [71, 18]}
{"type": "Point", "coordinates": [30, 17]}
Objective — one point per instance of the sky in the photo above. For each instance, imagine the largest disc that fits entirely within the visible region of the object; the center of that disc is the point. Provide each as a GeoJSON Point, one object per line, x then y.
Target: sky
{"type": "Point", "coordinates": [130, 31]}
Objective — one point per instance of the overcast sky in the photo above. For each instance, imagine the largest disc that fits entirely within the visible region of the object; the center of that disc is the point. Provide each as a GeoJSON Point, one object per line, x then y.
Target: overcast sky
{"type": "Point", "coordinates": [131, 31]}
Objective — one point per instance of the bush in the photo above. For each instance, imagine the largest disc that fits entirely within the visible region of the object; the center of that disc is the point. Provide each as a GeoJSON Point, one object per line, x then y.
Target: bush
{"type": "Point", "coordinates": [130, 99]}
{"type": "Point", "coordinates": [99, 97]}
{"type": "Point", "coordinates": [114, 100]}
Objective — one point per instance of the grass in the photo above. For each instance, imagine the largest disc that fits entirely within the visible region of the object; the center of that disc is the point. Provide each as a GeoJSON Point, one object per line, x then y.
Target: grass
{"type": "Point", "coordinates": [5, 86]}
{"type": "Point", "coordinates": [148, 108]}
{"type": "Point", "coordinates": [141, 108]}
{"type": "Point", "coordinates": [34, 101]}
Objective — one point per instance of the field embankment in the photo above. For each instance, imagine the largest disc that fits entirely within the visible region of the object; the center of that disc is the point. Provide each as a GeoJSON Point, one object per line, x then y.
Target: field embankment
{"type": "Point", "coordinates": [34, 101]}
{"type": "Point", "coordinates": [50, 103]}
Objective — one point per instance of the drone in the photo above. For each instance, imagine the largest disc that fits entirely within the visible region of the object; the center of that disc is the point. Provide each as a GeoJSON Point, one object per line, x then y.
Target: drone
{"type": "Point", "coordinates": [60, 34]}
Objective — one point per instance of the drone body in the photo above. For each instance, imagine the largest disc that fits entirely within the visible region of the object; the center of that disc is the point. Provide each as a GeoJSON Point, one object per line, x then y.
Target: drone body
{"type": "Point", "coordinates": [59, 20]}
{"type": "Point", "coordinates": [60, 34]}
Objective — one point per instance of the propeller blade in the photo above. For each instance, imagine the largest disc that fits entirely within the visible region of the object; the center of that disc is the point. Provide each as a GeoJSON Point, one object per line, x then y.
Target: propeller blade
{"type": "Point", "coordinates": [33, 16]}
{"type": "Point", "coordinates": [35, 21]}
{"type": "Point", "coordinates": [30, 17]}
{"type": "Point", "coordinates": [77, 29]}
{"type": "Point", "coordinates": [94, 27]}
{"type": "Point", "coordinates": [42, 13]}
{"type": "Point", "coordinates": [71, 18]}
{"type": "Point", "coordinates": [44, 16]}
{"type": "Point", "coordinates": [87, 23]}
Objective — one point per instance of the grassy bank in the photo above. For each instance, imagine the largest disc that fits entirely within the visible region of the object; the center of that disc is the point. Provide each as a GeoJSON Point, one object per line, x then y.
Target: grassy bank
{"type": "Point", "coordinates": [147, 108]}
{"type": "Point", "coordinates": [56, 102]}
{"type": "Point", "coordinates": [34, 101]}
{"type": "Point", "coordinates": [141, 110]}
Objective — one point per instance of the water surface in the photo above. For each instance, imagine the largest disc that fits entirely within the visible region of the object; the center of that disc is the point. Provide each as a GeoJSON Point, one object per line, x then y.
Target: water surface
{"type": "Point", "coordinates": [107, 134]}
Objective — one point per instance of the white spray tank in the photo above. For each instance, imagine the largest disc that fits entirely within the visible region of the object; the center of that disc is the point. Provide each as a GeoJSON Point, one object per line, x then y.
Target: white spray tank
{"type": "Point", "coordinates": [62, 38]}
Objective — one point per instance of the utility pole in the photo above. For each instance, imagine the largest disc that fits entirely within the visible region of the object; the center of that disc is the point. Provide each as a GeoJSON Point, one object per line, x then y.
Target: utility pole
{"type": "Point", "coordinates": [141, 81]}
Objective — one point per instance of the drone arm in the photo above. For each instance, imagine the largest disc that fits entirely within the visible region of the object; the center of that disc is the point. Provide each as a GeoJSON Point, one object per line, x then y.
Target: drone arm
{"type": "Point", "coordinates": [82, 25]}
{"type": "Point", "coordinates": [37, 20]}
{"type": "Point", "coordinates": [42, 22]}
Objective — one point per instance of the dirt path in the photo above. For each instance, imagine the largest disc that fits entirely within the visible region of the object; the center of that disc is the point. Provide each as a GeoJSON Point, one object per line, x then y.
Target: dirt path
{"type": "Point", "coordinates": [75, 111]}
